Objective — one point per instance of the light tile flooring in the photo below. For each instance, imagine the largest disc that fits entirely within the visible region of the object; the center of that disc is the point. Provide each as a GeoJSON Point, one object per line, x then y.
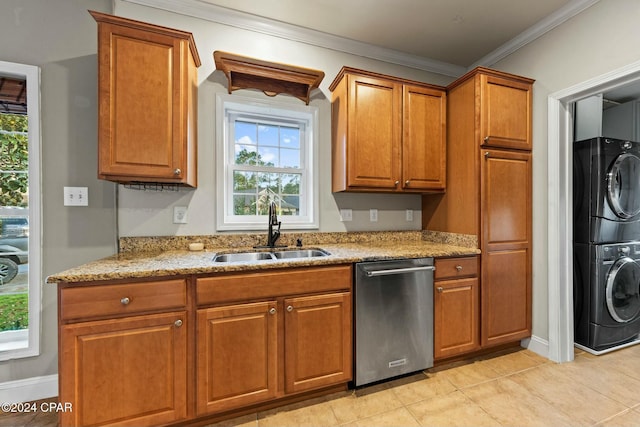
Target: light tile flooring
{"type": "Point", "coordinates": [513, 389]}
{"type": "Point", "coordinates": [517, 388]}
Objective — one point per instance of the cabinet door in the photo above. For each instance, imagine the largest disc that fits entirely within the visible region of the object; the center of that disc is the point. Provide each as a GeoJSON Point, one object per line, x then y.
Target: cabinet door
{"type": "Point", "coordinates": [374, 132]}
{"type": "Point", "coordinates": [424, 139]}
{"type": "Point", "coordinates": [130, 372]}
{"type": "Point", "coordinates": [237, 356]}
{"type": "Point", "coordinates": [506, 246]}
{"type": "Point", "coordinates": [317, 341]}
{"type": "Point", "coordinates": [505, 113]}
{"type": "Point", "coordinates": [456, 317]}
{"type": "Point", "coordinates": [141, 104]}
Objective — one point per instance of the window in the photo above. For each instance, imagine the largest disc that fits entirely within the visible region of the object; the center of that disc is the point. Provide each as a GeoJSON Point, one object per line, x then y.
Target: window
{"type": "Point", "coordinates": [20, 278]}
{"type": "Point", "coordinates": [266, 152]}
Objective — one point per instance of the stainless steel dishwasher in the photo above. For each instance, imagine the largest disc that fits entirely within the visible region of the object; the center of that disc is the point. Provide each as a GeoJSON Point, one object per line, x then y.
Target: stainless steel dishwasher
{"type": "Point", "coordinates": [393, 318]}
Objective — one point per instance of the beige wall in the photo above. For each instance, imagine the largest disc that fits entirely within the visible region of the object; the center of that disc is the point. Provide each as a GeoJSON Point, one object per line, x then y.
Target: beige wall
{"type": "Point", "coordinates": [59, 37]}
{"type": "Point", "coordinates": [601, 39]}
{"type": "Point", "coordinates": [149, 214]}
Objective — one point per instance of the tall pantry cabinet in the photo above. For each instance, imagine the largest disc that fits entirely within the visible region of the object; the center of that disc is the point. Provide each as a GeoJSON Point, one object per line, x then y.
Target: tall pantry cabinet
{"type": "Point", "coordinates": [489, 194]}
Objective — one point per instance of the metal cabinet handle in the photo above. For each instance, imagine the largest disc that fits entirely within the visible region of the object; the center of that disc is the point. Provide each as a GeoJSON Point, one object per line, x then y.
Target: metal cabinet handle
{"type": "Point", "coordinates": [440, 289]}
{"type": "Point", "coordinates": [272, 311]}
{"type": "Point", "coordinates": [486, 154]}
{"type": "Point", "coordinates": [289, 309]}
{"type": "Point", "coordinates": [406, 183]}
{"type": "Point", "coordinates": [177, 171]}
{"type": "Point", "coordinates": [459, 267]}
{"type": "Point", "coordinates": [178, 323]}
{"type": "Point", "coordinates": [486, 139]}
{"type": "Point", "coordinates": [125, 301]}
{"type": "Point", "coordinates": [397, 182]}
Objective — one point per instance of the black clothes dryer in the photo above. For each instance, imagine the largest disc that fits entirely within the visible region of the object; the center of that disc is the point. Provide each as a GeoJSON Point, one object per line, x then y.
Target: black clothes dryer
{"type": "Point", "coordinates": [606, 294]}
{"type": "Point", "coordinates": [606, 191]}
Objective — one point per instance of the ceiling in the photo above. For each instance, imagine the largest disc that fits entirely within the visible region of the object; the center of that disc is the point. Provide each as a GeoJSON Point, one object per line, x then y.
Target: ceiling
{"type": "Point", "coordinates": [456, 32]}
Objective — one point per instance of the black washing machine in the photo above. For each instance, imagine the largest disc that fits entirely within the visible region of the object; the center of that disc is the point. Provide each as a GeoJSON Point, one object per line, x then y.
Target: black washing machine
{"type": "Point", "coordinates": [606, 295]}
{"type": "Point", "coordinates": [606, 191]}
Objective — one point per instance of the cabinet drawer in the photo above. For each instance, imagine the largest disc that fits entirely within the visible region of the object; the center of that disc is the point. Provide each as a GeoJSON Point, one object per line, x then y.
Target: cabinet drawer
{"type": "Point", "coordinates": [448, 268]}
{"type": "Point", "coordinates": [272, 284]}
{"type": "Point", "coordinates": [123, 299]}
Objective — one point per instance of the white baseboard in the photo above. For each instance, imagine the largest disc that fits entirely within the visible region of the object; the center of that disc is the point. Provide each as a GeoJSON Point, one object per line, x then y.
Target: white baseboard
{"type": "Point", "coordinates": [29, 389]}
{"type": "Point", "coordinates": [537, 345]}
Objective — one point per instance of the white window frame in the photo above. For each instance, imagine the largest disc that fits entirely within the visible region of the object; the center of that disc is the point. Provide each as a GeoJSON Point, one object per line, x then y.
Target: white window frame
{"type": "Point", "coordinates": [26, 343]}
{"type": "Point", "coordinates": [230, 105]}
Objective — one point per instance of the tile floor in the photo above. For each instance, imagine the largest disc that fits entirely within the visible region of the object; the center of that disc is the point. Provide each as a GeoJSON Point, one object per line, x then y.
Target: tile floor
{"type": "Point", "coordinates": [517, 388]}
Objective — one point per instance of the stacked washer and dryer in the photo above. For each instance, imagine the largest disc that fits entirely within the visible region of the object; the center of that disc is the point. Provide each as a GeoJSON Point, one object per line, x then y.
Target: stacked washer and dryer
{"type": "Point", "coordinates": [606, 193]}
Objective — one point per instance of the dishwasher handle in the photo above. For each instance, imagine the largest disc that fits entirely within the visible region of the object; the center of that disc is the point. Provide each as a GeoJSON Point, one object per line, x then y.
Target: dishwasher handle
{"type": "Point", "coordinates": [399, 271]}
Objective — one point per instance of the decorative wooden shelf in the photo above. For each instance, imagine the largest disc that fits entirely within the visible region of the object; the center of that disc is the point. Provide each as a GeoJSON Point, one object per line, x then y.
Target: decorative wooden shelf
{"type": "Point", "coordinates": [270, 77]}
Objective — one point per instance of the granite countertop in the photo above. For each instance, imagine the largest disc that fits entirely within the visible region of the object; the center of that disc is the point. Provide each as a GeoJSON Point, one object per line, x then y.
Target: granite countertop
{"type": "Point", "coordinates": [157, 263]}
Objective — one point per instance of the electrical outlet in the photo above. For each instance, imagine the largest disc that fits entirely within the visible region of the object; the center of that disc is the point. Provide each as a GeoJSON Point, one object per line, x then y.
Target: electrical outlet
{"type": "Point", "coordinates": [179, 214]}
{"type": "Point", "coordinates": [409, 215]}
{"type": "Point", "coordinates": [373, 215]}
{"type": "Point", "coordinates": [76, 196]}
{"type": "Point", "coordinates": [346, 215]}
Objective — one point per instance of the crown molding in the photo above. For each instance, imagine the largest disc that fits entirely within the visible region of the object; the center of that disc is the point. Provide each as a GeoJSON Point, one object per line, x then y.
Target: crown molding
{"type": "Point", "coordinates": [543, 26]}
{"type": "Point", "coordinates": [233, 18]}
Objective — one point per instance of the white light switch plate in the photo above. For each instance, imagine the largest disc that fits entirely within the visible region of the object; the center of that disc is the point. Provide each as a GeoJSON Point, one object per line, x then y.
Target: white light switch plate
{"type": "Point", "coordinates": [76, 196]}
{"type": "Point", "coordinates": [346, 215]}
{"type": "Point", "coordinates": [179, 214]}
{"type": "Point", "coordinates": [373, 215]}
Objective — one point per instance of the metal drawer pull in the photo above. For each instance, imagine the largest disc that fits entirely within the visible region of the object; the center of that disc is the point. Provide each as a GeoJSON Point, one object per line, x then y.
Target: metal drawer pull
{"type": "Point", "coordinates": [486, 154]}
{"type": "Point", "coordinates": [125, 301]}
{"type": "Point", "coordinates": [272, 311]}
{"type": "Point", "coordinates": [290, 309]}
{"type": "Point", "coordinates": [177, 172]}
{"type": "Point", "coordinates": [440, 289]}
{"type": "Point", "coordinates": [459, 267]}
{"type": "Point", "coordinates": [486, 139]}
{"type": "Point", "coordinates": [398, 271]}
{"type": "Point", "coordinates": [178, 323]}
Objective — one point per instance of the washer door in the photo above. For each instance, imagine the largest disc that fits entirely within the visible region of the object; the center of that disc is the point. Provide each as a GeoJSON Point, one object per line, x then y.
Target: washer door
{"type": "Point", "coordinates": [624, 186]}
{"type": "Point", "coordinates": [623, 290]}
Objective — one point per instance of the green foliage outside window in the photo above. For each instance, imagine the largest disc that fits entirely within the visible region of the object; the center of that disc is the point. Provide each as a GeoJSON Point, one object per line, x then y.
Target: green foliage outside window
{"type": "Point", "coordinates": [14, 160]}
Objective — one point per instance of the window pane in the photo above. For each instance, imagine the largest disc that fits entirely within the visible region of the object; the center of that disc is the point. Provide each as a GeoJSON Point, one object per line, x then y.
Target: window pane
{"type": "Point", "coordinates": [268, 156]}
{"type": "Point", "coordinates": [290, 205]}
{"type": "Point", "coordinates": [245, 182]}
{"type": "Point", "coordinates": [291, 183]}
{"type": "Point", "coordinates": [290, 158]}
{"type": "Point", "coordinates": [290, 137]}
{"type": "Point", "coordinates": [268, 135]}
{"type": "Point", "coordinates": [246, 155]}
{"type": "Point", "coordinates": [246, 133]}
{"type": "Point", "coordinates": [244, 204]}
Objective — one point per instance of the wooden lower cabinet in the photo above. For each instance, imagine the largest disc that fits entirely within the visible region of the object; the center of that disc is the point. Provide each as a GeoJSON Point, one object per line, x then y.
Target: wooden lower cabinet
{"type": "Point", "coordinates": [238, 349]}
{"type": "Point", "coordinates": [177, 350]}
{"type": "Point", "coordinates": [456, 307]}
{"type": "Point", "coordinates": [268, 335]}
{"type": "Point", "coordinates": [317, 341]}
{"type": "Point", "coordinates": [237, 356]}
{"type": "Point", "coordinates": [129, 372]}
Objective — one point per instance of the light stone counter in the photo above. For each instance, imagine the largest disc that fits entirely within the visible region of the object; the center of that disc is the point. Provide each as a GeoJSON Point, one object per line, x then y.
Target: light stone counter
{"type": "Point", "coordinates": [157, 258]}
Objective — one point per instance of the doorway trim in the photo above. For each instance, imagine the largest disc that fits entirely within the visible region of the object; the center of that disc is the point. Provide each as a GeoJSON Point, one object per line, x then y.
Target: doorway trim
{"type": "Point", "coordinates": [560, 210]}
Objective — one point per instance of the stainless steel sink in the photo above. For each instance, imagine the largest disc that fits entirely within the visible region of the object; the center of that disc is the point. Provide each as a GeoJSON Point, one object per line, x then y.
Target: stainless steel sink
{"type": "Point", "coordinates": [300, 253]}
{"type": "Point", "coordinates": [243, 257]}
{"type": "Point", "coordinates": [270, 256]}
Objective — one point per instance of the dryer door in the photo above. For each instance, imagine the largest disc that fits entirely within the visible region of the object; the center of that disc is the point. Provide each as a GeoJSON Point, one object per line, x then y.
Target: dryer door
{"type": "Point", "coordinates": [623, 186]}
{"type": "Point", "coordinates": [623, 290]}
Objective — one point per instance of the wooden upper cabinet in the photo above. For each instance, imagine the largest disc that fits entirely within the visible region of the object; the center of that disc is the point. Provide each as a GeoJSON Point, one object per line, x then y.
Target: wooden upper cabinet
{"type": "Point", "coordinates": [147, 83]}
{"type": "Point", "coordinates": [424, 138]}
{"type": "Point", "coordinates": [388, 134]}
{"type": "Point", "coordinates": [505, 112]}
